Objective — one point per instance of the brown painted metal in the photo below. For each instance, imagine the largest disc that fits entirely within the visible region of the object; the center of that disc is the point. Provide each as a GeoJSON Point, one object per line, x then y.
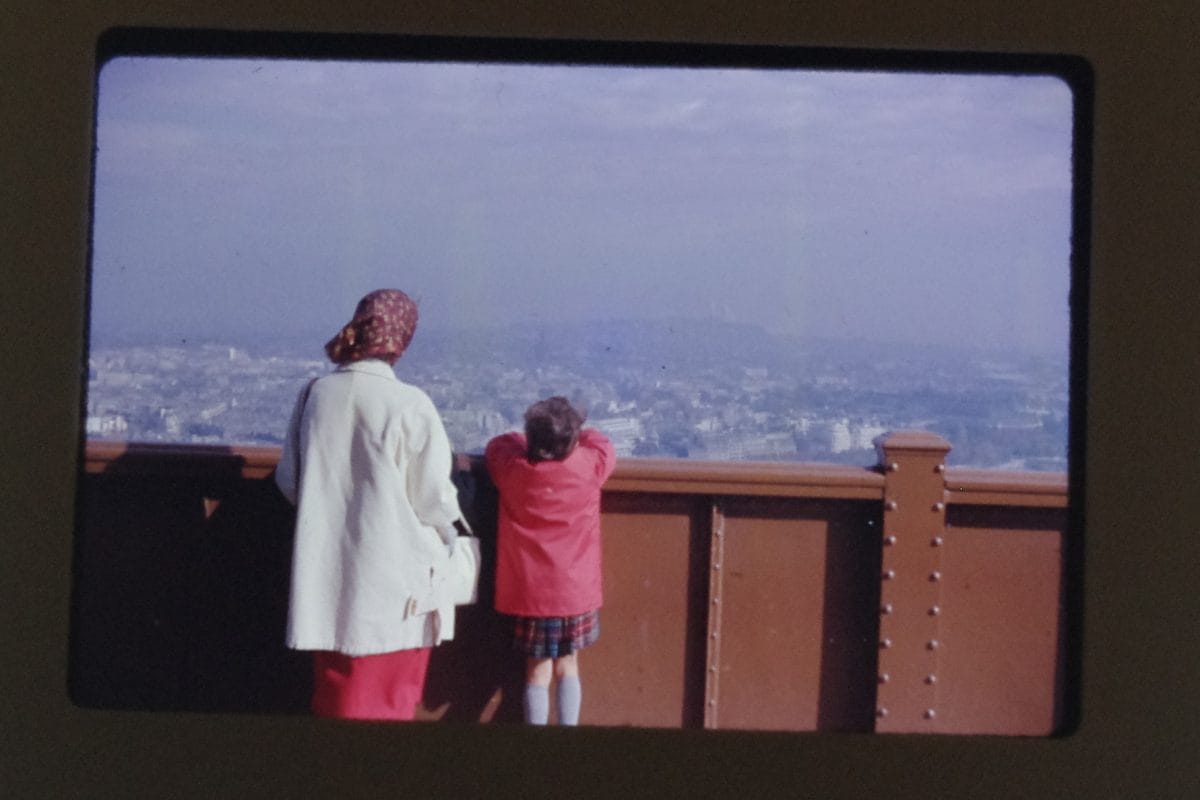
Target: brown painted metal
{"type": "Point", "coordinates": [1002, 621]}
{"type": "Point", "coordinates": [797, 615]}
{"type": "Point", "coordinates": [243, 461]}
{"type": "Point", "coordinates": [713, 665]}
{"type": "Point", "coordinates": [979, 487]}
{"type": "Point", "coordinates": [747, 478]}
{"type": "Point", "coordinates": [643, 476]}
{"type": "Point", "coordinates": [911, 581]}
{"type": "Point", "coordinates": [181, 586]}
{"type": "Point", "coordinates": [647, 668]}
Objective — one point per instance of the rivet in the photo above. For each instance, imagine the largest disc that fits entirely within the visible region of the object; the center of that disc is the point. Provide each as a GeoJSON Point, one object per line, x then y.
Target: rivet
{"type": "Point", "coordinates": [888, 574]}
{"type": "Point", "coordinates": [884, 677]}
{"type": "Point", "coordinates": [930, 713]}
{"type": "Point", "coordinates": [932, 644]}
{"type": "Point", "coordinates": [893, 467]}
{"type": "Point", "coordinates": [940, 468]}
{"type": "Point", "coordinates": [713, 668]}
{"type": "Point", "coordinates": [714, 635]}
{"type": "Point", "coordinates": [891, 505]}
{"type": "Point", "coordinates": [935, 576]}
{"type": "Point", "coordinates": [931, 679]}
{"type": "Point", "coordinates": [885, 643]}
{"type": "Point", "coordinates": [712, 703]}
{"type": "Point", "coordinates": [935, 610]}
{"type": "Point", "coordinates": [717, 566]}
{"type": "Point", "coordinates": [939, 506]}
{"type": "Point", "coordinates": [889, 540]}
{"type": "Point", "coordinates": [937, 541]}
{"type": "Point", "coordinates": [887, 608]}
{"type": "Point", "coordinates": [881, 712]}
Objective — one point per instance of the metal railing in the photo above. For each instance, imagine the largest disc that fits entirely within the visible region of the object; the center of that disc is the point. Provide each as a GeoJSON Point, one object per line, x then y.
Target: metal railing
{"type": "Point", "coordinates": [903, 597]}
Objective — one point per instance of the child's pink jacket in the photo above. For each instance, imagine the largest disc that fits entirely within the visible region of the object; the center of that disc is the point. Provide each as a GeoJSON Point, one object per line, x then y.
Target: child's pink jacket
{"type": "Point", "coordinates": [548, 548]}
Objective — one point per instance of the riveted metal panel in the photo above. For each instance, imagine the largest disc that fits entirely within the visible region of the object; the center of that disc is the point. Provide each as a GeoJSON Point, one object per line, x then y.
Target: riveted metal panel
{"type": "Point", "coordinates": [647, 668]}
{"type": "Point", "coordinates": [910, 582]}
{"type": "Point", "coordinates": [715, 598]}
{"type": "Point", "coordinates": [797, 631]}
{"type": "Point", "coordinates": [1001, 622]}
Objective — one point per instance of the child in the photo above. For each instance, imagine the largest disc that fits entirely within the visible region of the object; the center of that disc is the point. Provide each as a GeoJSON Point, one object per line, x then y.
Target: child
{"type": "Point", "coordinates": [548, 550]}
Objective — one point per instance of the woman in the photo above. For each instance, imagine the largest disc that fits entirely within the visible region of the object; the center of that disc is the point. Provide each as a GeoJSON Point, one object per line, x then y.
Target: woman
{"type": "Point", "coordinates": [367, 464]}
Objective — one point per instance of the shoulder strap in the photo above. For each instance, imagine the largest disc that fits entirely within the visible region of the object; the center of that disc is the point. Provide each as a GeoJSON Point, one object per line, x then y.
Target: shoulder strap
{"type": "Point", "coordinates": [296, 434]}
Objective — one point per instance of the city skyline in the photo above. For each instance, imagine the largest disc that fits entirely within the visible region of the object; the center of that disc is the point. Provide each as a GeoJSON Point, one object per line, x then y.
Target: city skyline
{"type": "Point", "coordinates": [675, 393]}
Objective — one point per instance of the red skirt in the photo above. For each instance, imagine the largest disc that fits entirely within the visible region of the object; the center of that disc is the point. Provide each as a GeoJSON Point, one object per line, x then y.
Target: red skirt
{"type": "Point", "coordinates": [383, 686]}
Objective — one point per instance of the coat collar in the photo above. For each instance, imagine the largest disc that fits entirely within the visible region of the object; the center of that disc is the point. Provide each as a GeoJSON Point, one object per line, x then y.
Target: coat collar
{"type": "Point", "coordinates": [371, 366]}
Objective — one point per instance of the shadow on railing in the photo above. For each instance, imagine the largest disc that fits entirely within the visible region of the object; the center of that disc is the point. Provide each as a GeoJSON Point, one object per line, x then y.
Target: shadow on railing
{"type": "Point", "coordinates": [902, 597]}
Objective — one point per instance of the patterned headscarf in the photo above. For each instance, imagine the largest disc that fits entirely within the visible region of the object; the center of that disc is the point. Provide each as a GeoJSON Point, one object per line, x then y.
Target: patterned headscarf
{"type": "Point", "coordinates": [382, 327]}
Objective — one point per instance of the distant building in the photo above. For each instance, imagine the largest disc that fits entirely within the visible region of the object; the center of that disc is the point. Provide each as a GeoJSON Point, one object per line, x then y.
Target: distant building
{"type": "Point", "coordinates": [748, 447]}
{"type": "Point", "coordinates": [865, 435]}
{"type": "Point", "coordinates": [845, 436]}
{"type": "Point", "coordinates": [470, 429]}
{"type": "Point", "coordinates": [106, 425]}
{"type": "Point", "coordinates": [623, 431]}
{"type": "Point", "coordinates": [839, 436]}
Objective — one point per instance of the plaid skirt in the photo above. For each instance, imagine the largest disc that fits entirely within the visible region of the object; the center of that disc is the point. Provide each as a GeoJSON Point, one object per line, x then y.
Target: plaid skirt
{"type": "Point", "coordinates": [554, 637]}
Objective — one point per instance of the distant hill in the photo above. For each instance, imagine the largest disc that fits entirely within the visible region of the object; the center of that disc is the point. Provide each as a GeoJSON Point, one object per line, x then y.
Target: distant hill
{"type": "Point", "coordinates": [685, 344]}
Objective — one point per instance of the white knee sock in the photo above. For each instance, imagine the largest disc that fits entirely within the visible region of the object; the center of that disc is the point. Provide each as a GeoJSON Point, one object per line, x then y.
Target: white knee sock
{"type": "Point", "coordinates": [570, 697]}
{"type": "Point", "coordinates": [537, 704]}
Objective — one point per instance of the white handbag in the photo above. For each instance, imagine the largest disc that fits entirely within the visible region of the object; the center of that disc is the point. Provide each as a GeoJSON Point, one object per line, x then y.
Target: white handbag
{"type": "Point", "coordinates": [463, 578]}
{"type": "Point", "coordinates": [452, 581]}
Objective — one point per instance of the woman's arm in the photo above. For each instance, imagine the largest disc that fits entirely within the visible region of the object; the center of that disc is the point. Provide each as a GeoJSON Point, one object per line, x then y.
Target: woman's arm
{"type": "Point", "coordinates": [431, 490]}
{"type": "Point", "coordinates": [287, 476]}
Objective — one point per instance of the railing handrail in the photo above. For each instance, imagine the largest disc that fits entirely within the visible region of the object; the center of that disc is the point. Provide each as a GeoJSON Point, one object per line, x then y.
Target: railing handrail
{"type": "Point", "coordinates": [1004, 488]}
{"type": "Point", "coordinates": [965, 486]}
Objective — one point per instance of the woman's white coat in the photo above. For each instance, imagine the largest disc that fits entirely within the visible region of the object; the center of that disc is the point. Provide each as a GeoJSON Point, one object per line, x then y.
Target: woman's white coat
{"type": "Point", "coordinates": [375, 510]}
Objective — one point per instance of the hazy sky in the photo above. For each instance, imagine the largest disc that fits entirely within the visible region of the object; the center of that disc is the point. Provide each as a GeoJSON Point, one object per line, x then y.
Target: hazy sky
{"type": "Point", "coordinates": [255, 195]}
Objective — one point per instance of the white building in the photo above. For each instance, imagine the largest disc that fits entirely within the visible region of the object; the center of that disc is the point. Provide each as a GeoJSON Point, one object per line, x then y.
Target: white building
{"type": "Point", "coordinates": [106, 425]}
{"type": "Point", "coordinates": [623, 431]}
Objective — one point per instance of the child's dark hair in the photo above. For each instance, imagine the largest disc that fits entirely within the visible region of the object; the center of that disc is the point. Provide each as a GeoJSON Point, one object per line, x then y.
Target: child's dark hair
{"type": "Point", "coordinates": [551, 429]}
